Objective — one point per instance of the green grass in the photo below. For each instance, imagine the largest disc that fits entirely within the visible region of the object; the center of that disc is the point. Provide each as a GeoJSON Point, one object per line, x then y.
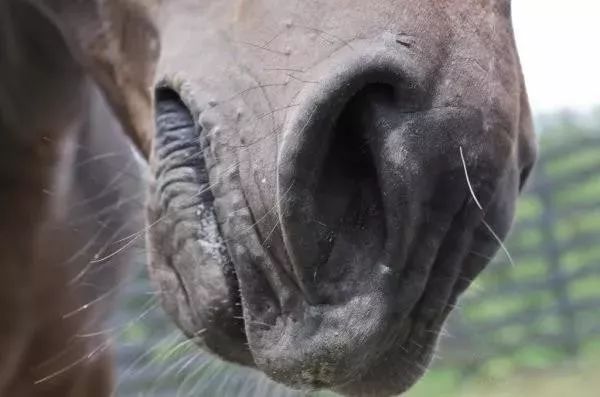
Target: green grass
{"type": "Point", "coordinates": [577, 379]}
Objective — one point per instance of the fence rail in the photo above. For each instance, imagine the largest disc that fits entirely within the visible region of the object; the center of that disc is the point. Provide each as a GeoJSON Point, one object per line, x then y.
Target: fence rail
{"type": "Point", "coordinates": [544, 285]}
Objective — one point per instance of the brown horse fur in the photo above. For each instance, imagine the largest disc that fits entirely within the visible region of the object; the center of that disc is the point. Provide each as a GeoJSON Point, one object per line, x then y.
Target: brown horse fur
{"type": "Point", "coordinates": [61, 210]}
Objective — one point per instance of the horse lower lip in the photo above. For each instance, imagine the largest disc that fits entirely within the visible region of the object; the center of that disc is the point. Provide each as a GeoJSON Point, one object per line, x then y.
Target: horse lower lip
{"type": "Point", "coordinates": [333, 353]}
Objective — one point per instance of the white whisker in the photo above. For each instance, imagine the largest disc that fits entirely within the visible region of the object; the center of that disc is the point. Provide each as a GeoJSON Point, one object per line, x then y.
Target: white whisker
{"type": "Point", "coordinates": [487, 225]}
{"type": "Point", "coordinates": [462, 157]}
{"type": "Point", "coordinates": [499, 240]}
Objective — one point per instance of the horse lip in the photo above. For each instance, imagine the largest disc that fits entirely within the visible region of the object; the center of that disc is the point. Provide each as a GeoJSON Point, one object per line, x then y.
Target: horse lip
{"type": "Point", "coordinates": [208, 309]}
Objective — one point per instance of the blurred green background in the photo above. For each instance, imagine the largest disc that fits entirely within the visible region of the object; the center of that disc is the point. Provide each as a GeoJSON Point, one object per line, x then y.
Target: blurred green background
{"type": "Point", "coordinates": [528, 328]}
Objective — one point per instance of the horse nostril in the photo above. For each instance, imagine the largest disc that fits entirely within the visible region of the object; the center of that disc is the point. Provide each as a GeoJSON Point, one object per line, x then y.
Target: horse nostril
{"type": "Point", "coordinates": [331, 208]}
{"type": "Point", "coordinates": [342, 205]}
{"type": "Point", "coordinates": [346, 191]}
{"type": "Point", "coordinates": [350, 150]}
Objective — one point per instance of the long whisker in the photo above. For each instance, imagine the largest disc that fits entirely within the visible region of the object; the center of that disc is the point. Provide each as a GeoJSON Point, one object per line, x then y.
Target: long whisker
{"type": "Point", "coordinates": [102, 347]}
{"type": "Point", "coordinates": [502, 246]}
{"type": "Point", "coordinates": [464, 163]}
{"type": "Point", "coordinates": [487, 225]}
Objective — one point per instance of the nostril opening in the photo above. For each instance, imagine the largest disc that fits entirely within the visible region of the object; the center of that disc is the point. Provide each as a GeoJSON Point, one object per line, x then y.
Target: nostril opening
{"type": "Point", "coordinates": [350, 146]}
{"type": "Point", "coordinates": [376, 90]}
{"type": "Point", "coordinates": [331, 162]}
{"type": "Point", "coordinates": [349, 163]}
{"type": "Point", "coordinates": [347, 196]}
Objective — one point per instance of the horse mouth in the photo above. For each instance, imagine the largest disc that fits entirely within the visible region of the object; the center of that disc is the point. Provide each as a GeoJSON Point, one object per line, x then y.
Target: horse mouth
{"type": "Point", "coordinates": [375, 245]}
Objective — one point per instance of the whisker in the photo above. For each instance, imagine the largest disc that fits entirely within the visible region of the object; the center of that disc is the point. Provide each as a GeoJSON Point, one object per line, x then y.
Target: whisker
{"type": "Point", "coordinates": [90, 303]}
{"type": "Point", "coordinates": [487, 225]}
{"type": "Point", "coordinates": [464, 162]}
{"type": "Point", "coordinates": [499, 240]}
{"type": "Point", "coordinates": [102, 347]}
{"type": "Point", "coordinates": [116, 252]}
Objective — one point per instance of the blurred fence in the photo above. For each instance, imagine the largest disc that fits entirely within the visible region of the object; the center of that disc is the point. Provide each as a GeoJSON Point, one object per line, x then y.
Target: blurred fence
{"type": "Point", "coordinates": [535, 314]}
{"type": "Point", "coordinates": [546, 307]}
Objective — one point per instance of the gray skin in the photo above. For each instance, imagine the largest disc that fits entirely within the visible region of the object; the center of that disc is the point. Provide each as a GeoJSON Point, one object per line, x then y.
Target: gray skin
{"type": "Point", "coordinates": [309, 212]}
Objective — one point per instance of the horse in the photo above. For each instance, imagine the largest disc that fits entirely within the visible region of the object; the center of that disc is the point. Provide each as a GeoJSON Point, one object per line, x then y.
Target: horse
{"type": "Point", "coordinates": [315, 183]}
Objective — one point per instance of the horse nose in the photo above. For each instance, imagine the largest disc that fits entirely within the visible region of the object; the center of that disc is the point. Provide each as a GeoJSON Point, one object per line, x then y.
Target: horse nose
{"type": "Point", "coordinates": [372, 198]}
